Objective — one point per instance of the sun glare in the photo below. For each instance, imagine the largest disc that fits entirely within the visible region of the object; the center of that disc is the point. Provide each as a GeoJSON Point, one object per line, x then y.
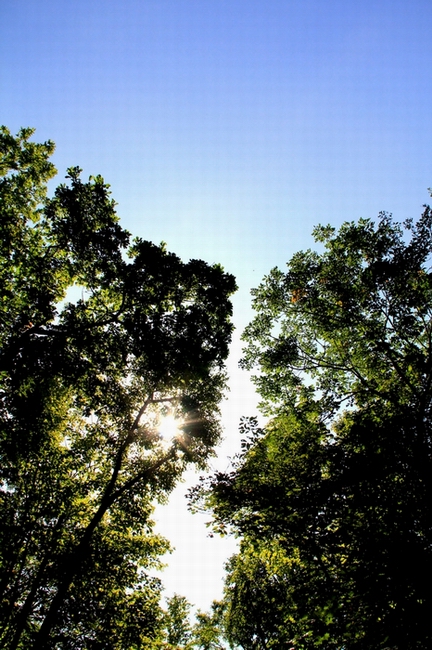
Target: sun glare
{"type": "Point", "coordinates": [168, 427]}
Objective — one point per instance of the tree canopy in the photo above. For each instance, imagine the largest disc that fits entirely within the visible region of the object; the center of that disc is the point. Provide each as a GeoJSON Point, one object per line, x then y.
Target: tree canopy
{"type": "Point", "coordinates": [333, 497]}
{"type": "Point", "coordinates": [206, 633]}
{"type": "Point", "coordinates": [100, 338]}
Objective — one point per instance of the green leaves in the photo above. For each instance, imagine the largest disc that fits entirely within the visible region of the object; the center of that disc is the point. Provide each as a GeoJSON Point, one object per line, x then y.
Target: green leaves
{"type": "Point", "coordinates": [348, 318]}
{"type": "Point", "coordinates": [84, 382]}
{"type": "Point", "coordinates": [336, 487]}
{"type": "Point", "coordinates": [178, 628]}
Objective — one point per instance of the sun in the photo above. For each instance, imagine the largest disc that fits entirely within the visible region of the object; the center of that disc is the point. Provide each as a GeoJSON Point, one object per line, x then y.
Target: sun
{"type": "Point", "coordinates": [168, 427]}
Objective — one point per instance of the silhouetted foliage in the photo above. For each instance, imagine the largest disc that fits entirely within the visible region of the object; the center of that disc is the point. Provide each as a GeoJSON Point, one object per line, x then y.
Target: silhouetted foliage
{"type": "Point", "coordinates": [99, 338]}
{"type": "Point", "coordinates": [333, 498]}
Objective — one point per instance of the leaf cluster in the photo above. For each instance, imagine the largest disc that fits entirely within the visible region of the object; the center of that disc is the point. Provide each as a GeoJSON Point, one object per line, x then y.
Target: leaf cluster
{"type": "Point", "coordinates": [332, 497]}
{"type": "Point", "coordinates": [100, 337]}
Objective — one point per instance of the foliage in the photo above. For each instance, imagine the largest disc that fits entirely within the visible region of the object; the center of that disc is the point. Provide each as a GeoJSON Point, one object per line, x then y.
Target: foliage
{"type": "Point", "coordinates": [256, 597]}
{"type": "Point", "coordinates": [99, 339]}
{"type": "Point", "coordinates": [208, 633]}
{"type": "Point", "coordinates": [177, 625]}
{"type": "Point", "coordinates": [338, 484]}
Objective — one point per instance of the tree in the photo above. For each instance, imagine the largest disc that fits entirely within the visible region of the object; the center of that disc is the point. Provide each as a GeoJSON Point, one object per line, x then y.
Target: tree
{"type": "Point", "coordinates": [208, 633]}
{"type": "Point", "coordinates": [178, 628]}
{"type": "Point", "coordinates": [338, 483]}
{"type": "Point", "coordinates": [100, 338]}
{"type": "Point", "coordinates": [257, 596]}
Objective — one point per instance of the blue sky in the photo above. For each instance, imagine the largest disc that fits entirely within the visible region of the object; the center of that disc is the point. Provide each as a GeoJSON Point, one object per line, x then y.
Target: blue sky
{"type": "Point", "coordinates": [229, 129]}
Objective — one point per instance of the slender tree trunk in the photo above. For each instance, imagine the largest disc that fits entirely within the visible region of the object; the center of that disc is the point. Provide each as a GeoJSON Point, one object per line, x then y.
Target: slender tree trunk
{"type": "Point", "coordinates": [26, 608]}
{"type": "Point", "coordinates": [73, 564]}
{"type": "Point", "coordinates": [76, 559]}
{"type": "Point", "coordinates": [21, 619]}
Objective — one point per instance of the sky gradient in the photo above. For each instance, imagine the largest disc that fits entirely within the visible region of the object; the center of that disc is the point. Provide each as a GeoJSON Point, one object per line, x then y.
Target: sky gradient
{"type": "Point", "coordinates": [228, 130]}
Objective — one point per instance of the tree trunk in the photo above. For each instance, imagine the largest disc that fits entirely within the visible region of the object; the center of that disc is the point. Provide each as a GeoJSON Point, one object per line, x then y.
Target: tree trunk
{"type": "Point", "coordinates": [77, 557]}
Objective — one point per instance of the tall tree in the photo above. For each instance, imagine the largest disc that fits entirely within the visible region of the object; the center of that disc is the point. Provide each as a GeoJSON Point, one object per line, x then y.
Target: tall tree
{"type": "Point", "coordinates": [339, 483]}
{"type": "Point", "coordinates": [177, 624]}
{"type": "Point", "coordinates": [100, 338]}
{"type": "Point", "coordinates": [208, 633]}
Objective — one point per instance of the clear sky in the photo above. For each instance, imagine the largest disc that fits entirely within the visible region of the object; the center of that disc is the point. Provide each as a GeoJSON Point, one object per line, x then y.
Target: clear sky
{"type": "Point", "coordinates": [228, 129]}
